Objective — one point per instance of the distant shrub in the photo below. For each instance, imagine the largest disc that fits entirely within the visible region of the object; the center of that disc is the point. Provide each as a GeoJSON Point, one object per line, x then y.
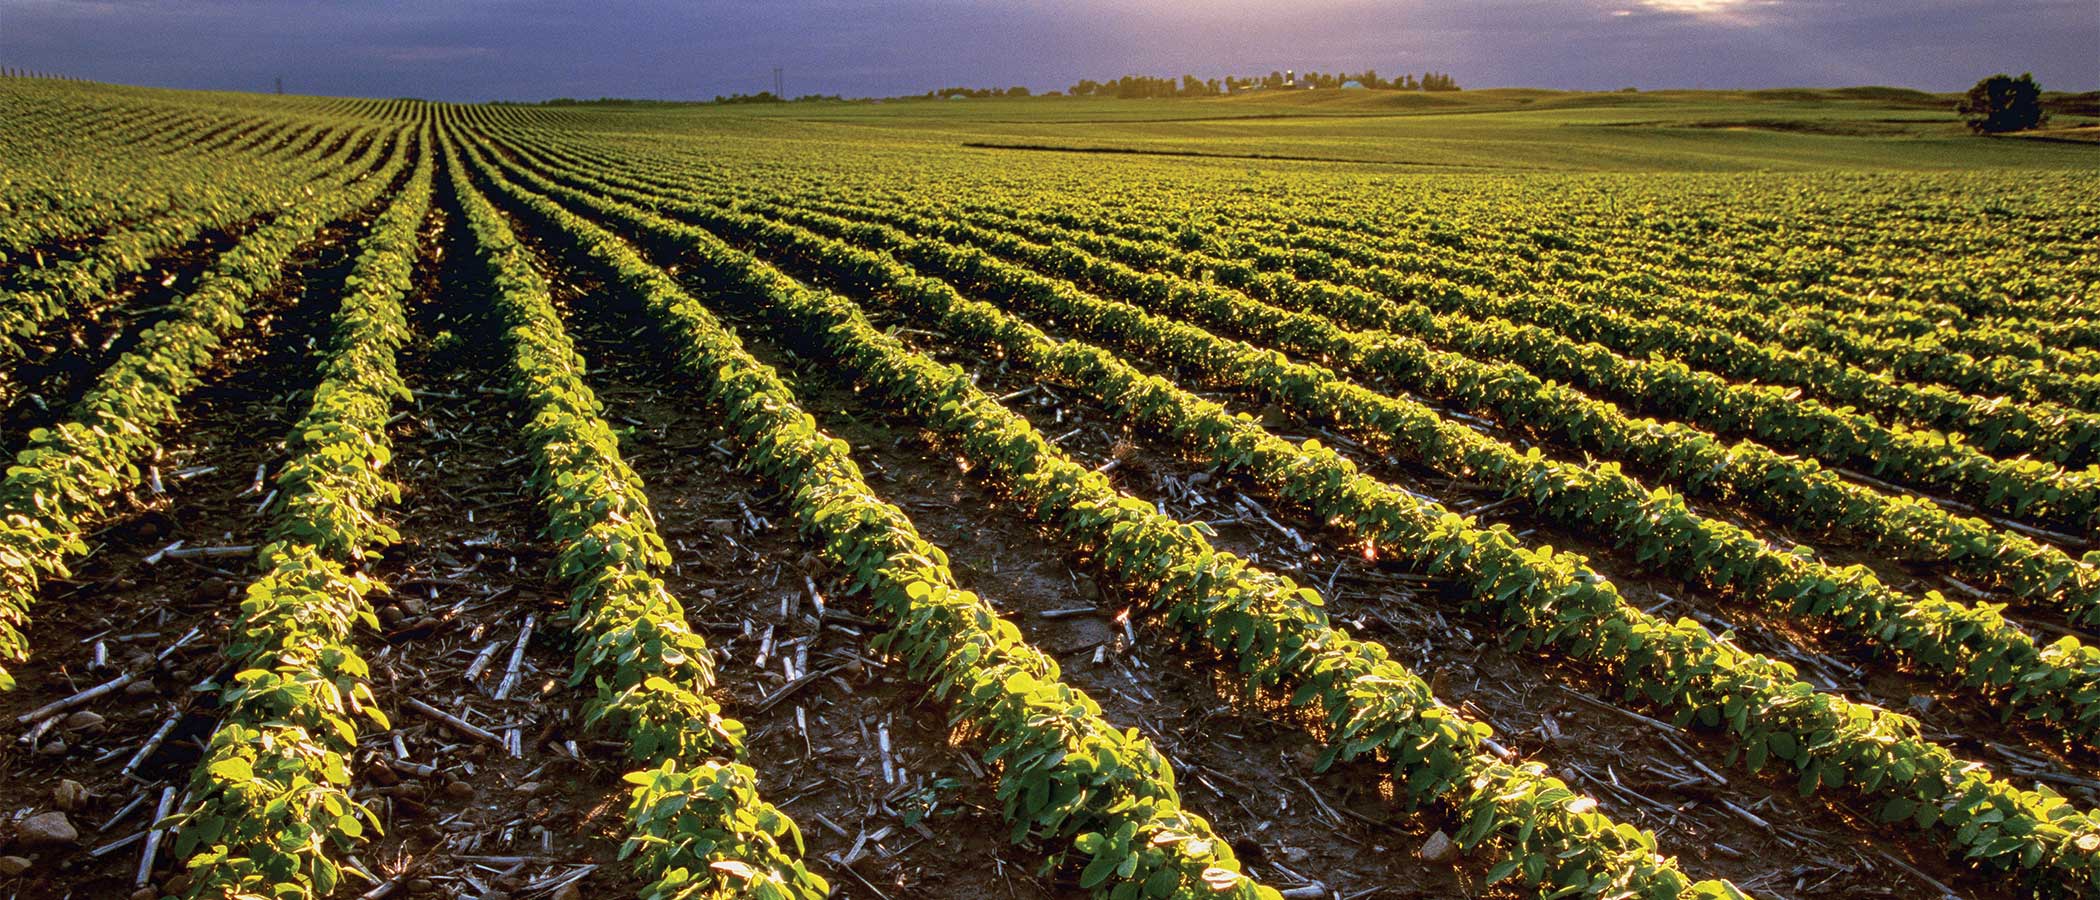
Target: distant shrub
{"type": "Point", "coordinates": [2002, 103]}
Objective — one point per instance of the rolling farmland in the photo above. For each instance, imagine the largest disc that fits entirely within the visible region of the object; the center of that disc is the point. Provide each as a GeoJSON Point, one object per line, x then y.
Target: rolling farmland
{"type": "Point", "coordinates": [1520, 496]}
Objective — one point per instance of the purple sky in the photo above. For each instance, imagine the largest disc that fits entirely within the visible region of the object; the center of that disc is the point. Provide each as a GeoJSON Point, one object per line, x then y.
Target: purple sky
{"type": "Point", "coordinates": [683, 49]}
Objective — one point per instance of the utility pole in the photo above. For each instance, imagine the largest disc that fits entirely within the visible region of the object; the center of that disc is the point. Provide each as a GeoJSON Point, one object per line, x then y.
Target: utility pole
{"type": "Point", "coordinates": [777, 90]}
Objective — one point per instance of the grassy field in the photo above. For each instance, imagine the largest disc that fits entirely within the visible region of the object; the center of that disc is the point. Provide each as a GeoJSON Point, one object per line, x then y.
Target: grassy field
{"type": "Point", "coordinates": [1497, 130]}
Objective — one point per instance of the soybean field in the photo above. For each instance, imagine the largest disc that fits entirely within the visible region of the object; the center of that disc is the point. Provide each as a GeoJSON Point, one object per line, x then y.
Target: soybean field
{"type": "Point", "coordinates": [1546, 495]}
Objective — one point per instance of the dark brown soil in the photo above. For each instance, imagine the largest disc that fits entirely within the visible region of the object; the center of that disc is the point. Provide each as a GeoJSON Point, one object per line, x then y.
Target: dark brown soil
{"type": "Point", "coordinates": [51, 252]}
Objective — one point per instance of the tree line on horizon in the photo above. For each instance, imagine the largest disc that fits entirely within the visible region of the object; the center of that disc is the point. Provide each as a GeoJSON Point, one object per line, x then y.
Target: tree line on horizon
{"type": "Point", "coordinates": [1130, 86]}
{"type": "Point", "coordinates": [1144, 86]}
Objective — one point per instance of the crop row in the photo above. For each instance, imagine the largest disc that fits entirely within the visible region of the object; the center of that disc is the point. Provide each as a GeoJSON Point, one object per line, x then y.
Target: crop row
{"type": "Point", "coordinates": [697, 826]}
{"type": "Point", "coordinates": [101, 166]}
{"type": "Point", "coordinates": [65, 476]}
{"type": "Point", "coordinates": [60, 126]}
{"type": "Point", "coordinates": [2039, 424]}
{"type": "Point", "coordinates": [41, 295]}
{"type": "Point", "coordinates": [1733, 345]}
{"type": "Point", "coordinates": [1648, 258]}
{"type": "Point", "coordinates": [2060, 684]}
{"type": "Point", "coordinates": [1773, 414]}
{"type": "Point", "coordinates": [1784, 488]}
{"type": "Point", "coordinates": [1373, 707]}
{"type": "Point", "coordinates": [80, 188]}
{"type": "Point", "coordinates": [272, 808]}
{"type": "Point", "coordinates": [1066, 775]}
{"type": "Point", "coordinates": [1605, 310]}
{"type": "Point", "coordinates": [1555, 599]}
{"type": "Point", "coordinates": [1986, 357]}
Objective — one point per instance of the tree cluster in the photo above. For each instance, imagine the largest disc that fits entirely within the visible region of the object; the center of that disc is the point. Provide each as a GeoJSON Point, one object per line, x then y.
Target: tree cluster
{"type": "Point", "coordinates": [1134, 86]}
{"type": "Point", "coordinates": [767, 97]}
{"type": "Point", "coordinates": [951, 92]}
{"type": "Point", "coordinates": [2002, 103]}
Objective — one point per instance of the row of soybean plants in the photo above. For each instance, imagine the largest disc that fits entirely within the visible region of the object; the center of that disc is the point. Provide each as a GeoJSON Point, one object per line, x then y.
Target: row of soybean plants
{"type": "Point", "coordinates": [2048, 415]}
{"type": "Point", "coordinates": [1746, 472]}
{"type": "Point", "coordinates": [1781, 487]}
{"type": "Point", "coordinates": [1875, 372]}
{"type": "Point", "coordinates": [66, 476]}
{"type": "Point", "coordinates": [67, 198]}
{"type": "Point", "coordinates": [66, 183]}
{"type": "Point", "coordinates": [68, 124]}
{"type": "Point", "coordinates": [1306, 481]}
{"type": "Point", "coordinates": [2059, 684]}
{"type": "Point", "coordinates": [1974, 644]}
{"type": "Point", "coordinates": [217, 195]}
{"type": "Point", "coordinates": [697, 825]}
{"type": "Point", "coordinates": [1779, 414]}
{"type": "Point", "coordinates": [1657, 252]}
{"type": "Point", "coordinates": [82, 172]}
{"type": "Point", "coordinates": [51, 192]}
{"type": "Point", "coordinates": [70, 187]}
{"type": "Point", "coordinates": [1833, 237]}
{"type": "Point", "coordinates": [1773, 414]}
{"type": "Point", "coordinates": [1373, 708]}
{"type": "Point", "coordinates": [1978, 354]}
{"type": "Point", "coordinates": [271, 807]}
{"type": "Point", "coordinates": [1745, 240]}
{"type": "Point", "coordinates": [1097, 793]}
{"type": "Point", "coordinates": [1556, 599]}
{"type": "Point", "coordinates": [1523, 235]}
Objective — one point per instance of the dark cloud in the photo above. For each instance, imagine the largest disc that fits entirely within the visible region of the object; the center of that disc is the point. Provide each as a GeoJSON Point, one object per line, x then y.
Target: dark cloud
{"type": "Point", "coordinates": [532, 49]}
